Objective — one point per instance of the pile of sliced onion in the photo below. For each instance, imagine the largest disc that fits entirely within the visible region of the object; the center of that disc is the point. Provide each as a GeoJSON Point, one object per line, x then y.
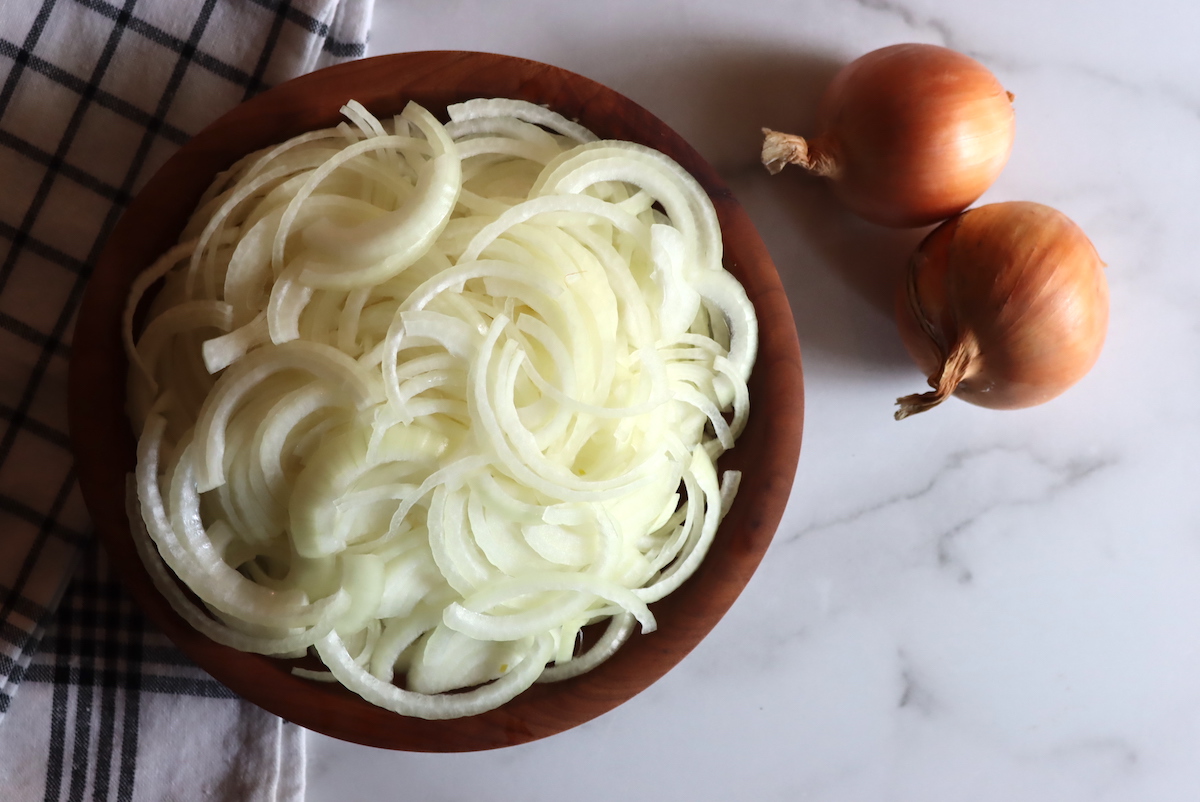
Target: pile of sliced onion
{"type": "Point", "coordinates": [428, 399]}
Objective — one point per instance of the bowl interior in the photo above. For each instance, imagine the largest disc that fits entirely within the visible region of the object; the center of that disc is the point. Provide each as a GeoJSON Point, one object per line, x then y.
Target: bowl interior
{"type": "Point", "coordinates": [104, 444]}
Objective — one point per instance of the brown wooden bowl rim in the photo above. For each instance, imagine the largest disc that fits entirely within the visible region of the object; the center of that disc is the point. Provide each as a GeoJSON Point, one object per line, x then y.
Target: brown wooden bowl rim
{"type": "Point", "coordinates": [104, 446]}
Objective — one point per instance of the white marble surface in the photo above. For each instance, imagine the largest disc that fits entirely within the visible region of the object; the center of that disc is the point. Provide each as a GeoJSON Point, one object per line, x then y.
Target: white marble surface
{"type": "Point", "coordinates": [967, 605]}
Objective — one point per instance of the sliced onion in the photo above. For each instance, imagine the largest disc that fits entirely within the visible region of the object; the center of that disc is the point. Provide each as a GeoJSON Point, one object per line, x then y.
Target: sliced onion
{"type": "Point", "coordinates": [433, 399]}
{"type": "Point", "coordinates": [322, 361]}
{"type": "Point", "coordinates": [442, 706]}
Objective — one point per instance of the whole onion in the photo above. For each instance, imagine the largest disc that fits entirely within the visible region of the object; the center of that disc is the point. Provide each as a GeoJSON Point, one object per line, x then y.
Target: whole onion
{"type": "Point", "coordinates": [909, 135]}
{"type": "Point", "coordinates": [1004, 306]}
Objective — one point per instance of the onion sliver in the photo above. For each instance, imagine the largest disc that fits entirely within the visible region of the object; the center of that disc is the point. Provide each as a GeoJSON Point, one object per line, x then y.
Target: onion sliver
{"type": "Point", "coordinates": [432, 399]}
{"type": "Point", "coordinates": [468, 616]}
{"type": "Point", "coordinates": [332, 651]}
{"type": "Point", "coordinates": [323, 361]}
{"type": "Point", "coordinates": [163, 580]}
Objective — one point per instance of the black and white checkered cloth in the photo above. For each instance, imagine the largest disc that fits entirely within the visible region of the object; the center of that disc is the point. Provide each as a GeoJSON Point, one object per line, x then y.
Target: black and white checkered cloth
{"type": "Point", "coordinates": [94, 96]}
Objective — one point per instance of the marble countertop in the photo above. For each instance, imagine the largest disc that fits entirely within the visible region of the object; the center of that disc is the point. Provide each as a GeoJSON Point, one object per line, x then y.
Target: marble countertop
{"type": "Point", "coordinates": [966, 605]}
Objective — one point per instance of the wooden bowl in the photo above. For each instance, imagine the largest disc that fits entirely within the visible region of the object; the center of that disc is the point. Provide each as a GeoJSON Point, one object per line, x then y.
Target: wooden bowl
{"type": "Point", "coordinates": [104, 444]}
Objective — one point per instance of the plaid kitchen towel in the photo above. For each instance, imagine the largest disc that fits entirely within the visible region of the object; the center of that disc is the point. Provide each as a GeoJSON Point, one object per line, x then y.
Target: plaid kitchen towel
{"type": "Point", "coordinates": [110, 710]}
{"type": "Point", "coordinates": [94, 96]}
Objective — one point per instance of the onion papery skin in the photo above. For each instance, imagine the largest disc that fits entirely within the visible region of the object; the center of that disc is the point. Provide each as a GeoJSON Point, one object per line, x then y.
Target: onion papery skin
{"type": "Point", "coordinates": [909, 135]}
{"type": "Point", "coordinates": [1005, 306]}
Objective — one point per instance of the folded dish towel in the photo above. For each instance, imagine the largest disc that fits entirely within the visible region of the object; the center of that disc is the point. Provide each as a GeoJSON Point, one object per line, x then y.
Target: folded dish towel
{"type": "Point", "coordinates": [94, 96]}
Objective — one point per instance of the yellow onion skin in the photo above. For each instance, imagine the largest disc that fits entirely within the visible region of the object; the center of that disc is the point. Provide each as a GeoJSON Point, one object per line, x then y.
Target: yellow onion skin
{"type": "Point", "coordinates": [1004, 306]}
{"type": "Point", "coordinates": [909, 135]}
